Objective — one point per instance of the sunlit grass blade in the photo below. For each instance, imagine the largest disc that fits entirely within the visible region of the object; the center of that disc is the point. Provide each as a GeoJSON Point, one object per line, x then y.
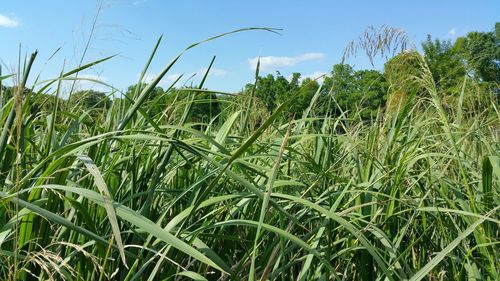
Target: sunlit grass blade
{"type": "Point", "coordinates": [102, 187]}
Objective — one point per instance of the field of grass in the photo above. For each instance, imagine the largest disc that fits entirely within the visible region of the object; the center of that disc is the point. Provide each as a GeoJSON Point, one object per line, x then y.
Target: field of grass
{"type": "Point", "coordinates": [125, 195]}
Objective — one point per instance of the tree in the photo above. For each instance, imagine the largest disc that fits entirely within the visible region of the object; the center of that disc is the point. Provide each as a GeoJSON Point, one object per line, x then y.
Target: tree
{"type": "Point", "coordinates": [481, 51]}
{"type": "Point", "coordinates": [371, 87]}
{"type": "Point", "coordinates": [306, 92]}
{"type": "Point", "coordinates": [283, 89]}
{"type": "Point", "coordinates": [273, 91]}
{"type": "Point", "coordinates": [206, 107]}
{"type": "Point", "coordinates": [360, 92]}
{"type": "Point", "coordinates": [156, 100]}
{"type": "Point", "coordinates": [343, 85]}
{"type": "Point", "coordinates": [91, 99]}
{"type": "Point", "coordinates": [266, 91]}
{"type": "Point", "coordinates": [445, 64]}
{"type": "Point", "coordinates": [45, 102]}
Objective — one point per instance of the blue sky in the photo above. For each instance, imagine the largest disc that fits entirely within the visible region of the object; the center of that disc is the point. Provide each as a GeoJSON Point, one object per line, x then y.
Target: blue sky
{"type": "Point", "coordinates": [312, 40]}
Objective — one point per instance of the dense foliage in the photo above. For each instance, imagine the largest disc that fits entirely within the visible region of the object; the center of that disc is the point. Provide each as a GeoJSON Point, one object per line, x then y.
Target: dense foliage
{"type": "Point", "coordinates": [366, 176]}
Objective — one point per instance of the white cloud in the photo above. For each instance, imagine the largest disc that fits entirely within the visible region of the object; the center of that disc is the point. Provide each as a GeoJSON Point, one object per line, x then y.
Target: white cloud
{"type": "Point", "coordinates": [452, 32]}
{"type": "Point", "coordinates": [6, 21]}
{"type": "Point", "coordinates": [165, 82]}
{"type": "Point", "coordinates": [85, 82]}
{"type": "Point", "coordinates": [138, 2]}
{"type": "Point", "coordinates": [273, 63]}
{"type": "Point", "coordinates": [317, 75]}
{"type": "Point", "coordinates": [213, 72]}
{"type": "Point", "coordinates": [170, 78]}
{"type": "Point", "coordinates": [173, 77]}
{"type": "Point", "coordinates": [148, 77]}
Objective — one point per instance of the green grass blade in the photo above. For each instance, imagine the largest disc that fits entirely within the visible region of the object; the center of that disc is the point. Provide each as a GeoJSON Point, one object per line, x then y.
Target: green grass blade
{"type": "Point", "coordinates": [422, 273]}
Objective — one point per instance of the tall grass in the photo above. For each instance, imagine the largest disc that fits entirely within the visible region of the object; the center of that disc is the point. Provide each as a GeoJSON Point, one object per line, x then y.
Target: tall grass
{"type": "Point", "coordinates": [126, 195]}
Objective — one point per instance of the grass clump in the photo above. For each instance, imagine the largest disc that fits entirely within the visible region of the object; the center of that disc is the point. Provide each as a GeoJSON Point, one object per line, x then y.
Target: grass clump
{"type": "Point", "coordinates": [138, 192]}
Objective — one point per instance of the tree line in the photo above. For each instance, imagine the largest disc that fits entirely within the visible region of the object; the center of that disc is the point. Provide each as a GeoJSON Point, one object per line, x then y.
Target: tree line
{"type": "Point", "coordinates": [356, 93]}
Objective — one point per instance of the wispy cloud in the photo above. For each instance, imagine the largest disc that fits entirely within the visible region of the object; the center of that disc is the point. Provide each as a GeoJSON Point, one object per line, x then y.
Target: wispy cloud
{"type": "Point", "coordinates": [148, 77]}
{"type": "Point", "coordinates": [165, 82]}
{"type": "Point", "coordinates": [91, 82]}
{"type": "Point", "coordinates": [170, 78]}
{"type": "Point", "coordinates": [138, 2]}
{"type": "Point", "coordinates": [452, 32]}
{"type": "Point", "coordinates": [273, 62]}
{"type": "Point", "coordinates": [7, 21]}
{"type": "Point", "coordinates": [319, 75]}
{"type": "Point", "coordinates": [213, 72]}
{"type": "Point", "coordinates": [173, 77]}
